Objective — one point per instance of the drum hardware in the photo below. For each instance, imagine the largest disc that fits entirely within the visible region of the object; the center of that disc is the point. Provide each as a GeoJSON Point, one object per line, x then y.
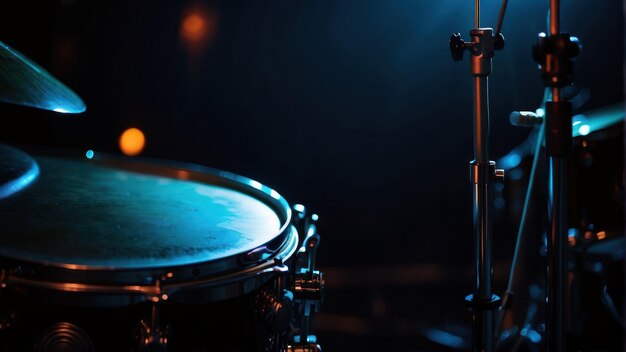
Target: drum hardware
{"type": "Point", "coordinates": [276, 311]}
{"type": "Point", "coordinates": [530, 335]}
{"type": "Point", "coordinates": [483, 175]}
{"type": "Point", "coordinates": [64, 337]}
{"type": "Point", "coordinates": [554, 54]}
{"type": "Point", "coordinates": [308, 290]}
{"type": "Point", "coordinates": [151, 337]}
{"type": "Point", "coordinates": [595, 233]}
{"type": "Point", "coordinates": [23, 82]}
{"type": "Point", "coordinates": [275, 308]}
{"type": "Point", "coordinates": [597, 288]}
{"type": "Point", "coordinates": [533, 146]}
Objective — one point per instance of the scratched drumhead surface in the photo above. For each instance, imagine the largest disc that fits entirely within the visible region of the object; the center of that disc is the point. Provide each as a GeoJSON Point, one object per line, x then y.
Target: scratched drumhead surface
{"type": "Point", "coordinates": [84, 213]}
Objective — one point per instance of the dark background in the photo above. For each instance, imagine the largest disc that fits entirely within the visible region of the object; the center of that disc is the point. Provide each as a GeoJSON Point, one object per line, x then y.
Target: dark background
{"type": "Point", "coordinates": [353, 108]}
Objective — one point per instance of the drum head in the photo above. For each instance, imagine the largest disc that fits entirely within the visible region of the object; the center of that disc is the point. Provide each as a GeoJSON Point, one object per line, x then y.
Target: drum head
{"type": "Point", "coordinates": [111, 214]}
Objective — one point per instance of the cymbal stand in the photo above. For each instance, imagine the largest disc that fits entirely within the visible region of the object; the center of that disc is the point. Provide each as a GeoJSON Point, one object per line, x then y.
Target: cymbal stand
{"type": "Point", "coordinates": [554, 53]}
{"type": "Point", "coordinates": [483, 175]}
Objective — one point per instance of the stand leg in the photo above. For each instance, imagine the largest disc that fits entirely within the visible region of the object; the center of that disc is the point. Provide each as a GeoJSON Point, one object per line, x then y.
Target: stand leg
{"type": "Point", "coordinates": [557, 256]}
{"type": "Point", "coordinates": [483, 175]}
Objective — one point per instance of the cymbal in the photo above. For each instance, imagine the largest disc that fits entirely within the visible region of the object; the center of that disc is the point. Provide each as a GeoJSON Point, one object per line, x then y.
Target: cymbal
{"type": "Point", "coordinates": [23, 82]}
{"type": "Point", "coordinates": [17, 170]}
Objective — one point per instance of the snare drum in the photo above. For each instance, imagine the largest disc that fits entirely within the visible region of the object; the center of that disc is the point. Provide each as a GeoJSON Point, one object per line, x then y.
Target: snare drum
{"type": "Point", "coordinates": [111, 254]}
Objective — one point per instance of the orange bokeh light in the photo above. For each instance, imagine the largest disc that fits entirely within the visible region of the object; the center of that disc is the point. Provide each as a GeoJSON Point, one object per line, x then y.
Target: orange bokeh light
{"type": "Point", "coordinates": [194, 26]}
{"type": "Point", "coordinates": [198, 27]}
{"type": "Point", "coordinates": [132, 142]}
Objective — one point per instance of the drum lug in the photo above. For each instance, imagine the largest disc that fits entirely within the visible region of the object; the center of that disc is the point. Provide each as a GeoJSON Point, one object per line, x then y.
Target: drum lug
{"type": "Point", "coordinates": [276, 311]}
{"type": "Point", "coordinates": [151, 337]}
{"type": "Point", "coordinates": [308, 283]}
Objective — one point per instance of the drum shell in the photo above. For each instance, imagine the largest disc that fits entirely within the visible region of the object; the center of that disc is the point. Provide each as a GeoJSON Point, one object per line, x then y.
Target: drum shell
{"type": "Point", "coordinates": [228, 325]}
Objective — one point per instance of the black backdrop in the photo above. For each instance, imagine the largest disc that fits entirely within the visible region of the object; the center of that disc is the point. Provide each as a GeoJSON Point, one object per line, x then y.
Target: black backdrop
{"type": "Point", "coordinates": [353, 108]}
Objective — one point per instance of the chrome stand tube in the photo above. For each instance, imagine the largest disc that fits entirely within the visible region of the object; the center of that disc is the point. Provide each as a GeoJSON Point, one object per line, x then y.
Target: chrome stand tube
{"type": "Point", "coordinates": [483, 176]}
{"type": "Point", "coordinates": [557, 256]}
{"type": "Point", "coordinates": [554, 54]}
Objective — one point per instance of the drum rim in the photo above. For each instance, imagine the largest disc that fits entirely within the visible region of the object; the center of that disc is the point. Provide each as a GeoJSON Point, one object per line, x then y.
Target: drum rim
{"type": "Point", "coordinates": [15, 269]}
{"type": "Point", "coordinates": [244, 281]}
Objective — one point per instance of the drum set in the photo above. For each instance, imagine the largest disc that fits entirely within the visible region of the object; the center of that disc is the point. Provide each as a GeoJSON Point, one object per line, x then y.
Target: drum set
{"type": "Point", "coordinates": [565, 189]}
{"type": "Point", "coordinates": [104, 253]}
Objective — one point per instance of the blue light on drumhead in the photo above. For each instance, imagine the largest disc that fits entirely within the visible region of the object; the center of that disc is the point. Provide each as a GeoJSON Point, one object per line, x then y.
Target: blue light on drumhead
{"type": "Point", "coordinates": [89, 154]}
{"type": "Point", "coordinates": [584, 130]}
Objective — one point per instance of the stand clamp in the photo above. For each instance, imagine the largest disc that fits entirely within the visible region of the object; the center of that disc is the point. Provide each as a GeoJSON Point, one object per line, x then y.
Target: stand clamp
{"type": "Point", "coordinates": [308, 283]}
{"type": "Point", "coordinates": [554, 54]}
{"type": "Point", "coordinates": [478, 46]}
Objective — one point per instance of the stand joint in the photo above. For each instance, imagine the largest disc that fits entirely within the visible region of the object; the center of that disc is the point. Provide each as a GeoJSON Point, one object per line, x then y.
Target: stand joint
{"type": "Point", "coordinates": [554, 54]}
{"type": "Point", "coordinates": [485, 172]}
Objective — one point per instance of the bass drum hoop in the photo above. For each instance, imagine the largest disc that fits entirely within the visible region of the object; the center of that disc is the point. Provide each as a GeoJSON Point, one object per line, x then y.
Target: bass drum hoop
{"type": "Point", "coordinates": [200, 282]}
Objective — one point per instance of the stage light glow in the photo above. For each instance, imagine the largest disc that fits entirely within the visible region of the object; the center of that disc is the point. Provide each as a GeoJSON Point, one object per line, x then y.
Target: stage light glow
{"type": "Point", "coordinates": [540, 112]}
{"type": "Point", "coordinates": [499, 202]}
{"type": "Point", "coordinates": [584, 130]}
{"type": "Point", "coordinates": [193, 27]}
{"type": "Point", "coordinates": [572, 234]}
{"type": "Point", "coordinates": [89, 154]}
{"type": "Point", "coordinates": [445, 338]}
{"type": "Point", "coordinates": [531, 334]}
{"type": "Point", "coordinates": [132, 142]}
{"type": "Point", "coordinates": [198, 27]}
{"type": "Point", "coordinates": [512, 160]}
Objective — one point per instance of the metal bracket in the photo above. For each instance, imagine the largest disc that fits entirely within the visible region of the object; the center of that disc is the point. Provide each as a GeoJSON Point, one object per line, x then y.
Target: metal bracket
{"type": "Point", "coordinates": [308, 283]}
{"type": "Point", "coordinates": [484, 173]}
{"type": "Point", "coordinates": [151, 336]}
